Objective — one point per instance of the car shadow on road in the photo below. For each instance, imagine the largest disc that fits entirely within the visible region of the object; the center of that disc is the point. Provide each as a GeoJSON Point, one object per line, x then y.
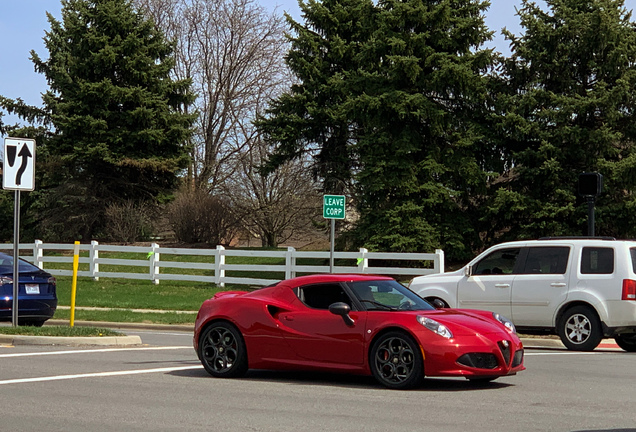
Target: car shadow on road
{"type": "Point", "coordinates": [347, 381]}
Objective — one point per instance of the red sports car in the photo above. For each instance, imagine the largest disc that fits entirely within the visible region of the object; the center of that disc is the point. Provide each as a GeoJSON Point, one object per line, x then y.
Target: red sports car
{"type": "Point", "coordinates": [354, 324]}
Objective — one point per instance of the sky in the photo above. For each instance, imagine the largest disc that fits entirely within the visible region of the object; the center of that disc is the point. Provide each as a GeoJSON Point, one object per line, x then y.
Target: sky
{"type": "Point", "coordinates": [23, 23]}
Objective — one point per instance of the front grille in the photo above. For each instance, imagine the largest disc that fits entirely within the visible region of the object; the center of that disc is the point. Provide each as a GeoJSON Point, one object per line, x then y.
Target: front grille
{"type": "Point", "coordinates": [518, 358]}
{"type": "Point", "coordinates": [478, 360]}
{"type": "Point", "coordinates": [504, 347]}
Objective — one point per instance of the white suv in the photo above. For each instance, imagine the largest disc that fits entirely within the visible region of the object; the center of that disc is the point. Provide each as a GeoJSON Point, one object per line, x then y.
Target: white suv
{"type": "Point", "coordinates": [582, 289]}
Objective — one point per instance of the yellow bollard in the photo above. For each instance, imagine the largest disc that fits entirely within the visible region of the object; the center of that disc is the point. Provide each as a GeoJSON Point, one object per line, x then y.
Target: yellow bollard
{"type": "Point", "coordinates": [74, 282]}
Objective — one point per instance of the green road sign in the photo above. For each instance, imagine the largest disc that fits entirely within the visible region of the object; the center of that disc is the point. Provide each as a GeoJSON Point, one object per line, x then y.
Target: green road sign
{"type": "Point", "coordinates": [333, 207]}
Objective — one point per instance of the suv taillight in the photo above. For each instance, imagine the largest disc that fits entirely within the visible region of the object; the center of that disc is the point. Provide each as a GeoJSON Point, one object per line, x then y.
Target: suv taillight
{"type": "Point", "coordinates": [629, 289]}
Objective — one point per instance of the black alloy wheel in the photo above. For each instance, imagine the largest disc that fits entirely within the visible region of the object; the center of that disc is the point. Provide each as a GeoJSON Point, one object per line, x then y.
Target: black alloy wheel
{"type": "Point", "coordinates": [396, 361]}
{"type": "Point", "coordinates": [626, 341]}
{"type": "Point", "coordinates": [222, 351]}
{"type": "Point", "coordinates": [580, 329]}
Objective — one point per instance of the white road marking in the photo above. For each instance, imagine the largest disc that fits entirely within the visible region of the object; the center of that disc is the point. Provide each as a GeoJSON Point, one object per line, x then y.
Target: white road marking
{"type": "Point", "coordinates": [97, 374]}
{"type": "Point", "coordinates": [91, 351]}
{"type": "Point", "coordinates": [570, 353]}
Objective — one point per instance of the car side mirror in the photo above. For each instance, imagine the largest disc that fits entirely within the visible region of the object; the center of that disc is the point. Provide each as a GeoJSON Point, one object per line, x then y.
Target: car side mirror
{"type": "Point", "coordinates": [343, 310]}
{"type": "Point", "coordinates": [468, 271]}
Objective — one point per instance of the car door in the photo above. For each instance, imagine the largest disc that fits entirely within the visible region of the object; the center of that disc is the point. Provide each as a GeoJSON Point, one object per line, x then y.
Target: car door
{"type": "Point", "coordinates": [490, 283]}
{"type": "Point", "coordinates": [541, 286]}
{"type": "Point", "coordinates": [315, 334]}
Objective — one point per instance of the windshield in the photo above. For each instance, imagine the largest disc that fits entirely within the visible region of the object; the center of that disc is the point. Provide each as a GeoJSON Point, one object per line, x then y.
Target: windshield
{"type": "Point", "coordinates": [6, 265]}
{"type": "Point", "coordinates": [387, 295]}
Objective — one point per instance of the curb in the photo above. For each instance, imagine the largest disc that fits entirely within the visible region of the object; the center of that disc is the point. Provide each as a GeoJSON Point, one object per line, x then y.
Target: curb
{"type": "Point", "coordinates": [70, 341]}
{"type": "Point", "coordinates": [123, 325]}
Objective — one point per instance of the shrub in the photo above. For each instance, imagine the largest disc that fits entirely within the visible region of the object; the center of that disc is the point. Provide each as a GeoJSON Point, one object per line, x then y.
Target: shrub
{"type": "Point", "coordinates": [198, 217]}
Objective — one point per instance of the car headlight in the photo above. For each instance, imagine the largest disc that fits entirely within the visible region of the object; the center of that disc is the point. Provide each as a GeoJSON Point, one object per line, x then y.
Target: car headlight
{"type": "Point", "coordinates": [505, 321]}
{"type": "Point", "coordinates": [435, 327]}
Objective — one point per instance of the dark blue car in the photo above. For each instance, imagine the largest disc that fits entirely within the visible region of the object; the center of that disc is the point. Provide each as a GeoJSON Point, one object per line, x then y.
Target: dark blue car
{"type": "Point", "coordinates": [37, 296]}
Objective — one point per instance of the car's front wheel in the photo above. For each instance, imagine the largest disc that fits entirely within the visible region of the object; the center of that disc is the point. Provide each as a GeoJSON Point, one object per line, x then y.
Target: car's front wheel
{"type": "Point", "coordinates": [396, 361]}
{"type": "Point", "coordinates": [580, 329]}
{"type": "Point", "coordinates": [222, 351]}
{"type": "Point", "coordinates": [627, 342]}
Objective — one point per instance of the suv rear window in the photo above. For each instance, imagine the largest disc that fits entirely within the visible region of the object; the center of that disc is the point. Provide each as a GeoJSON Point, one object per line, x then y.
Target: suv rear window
{"type": "Point", "coordinates": [632, 252]}
{"type": "Point", "coordinates": [546, 260]}
{"type": "Point", "coordinates": [597, 260]}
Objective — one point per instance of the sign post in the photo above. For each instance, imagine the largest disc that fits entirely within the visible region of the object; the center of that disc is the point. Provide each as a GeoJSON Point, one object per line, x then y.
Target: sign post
{"type": "Point", "coordinates": [590, 186]}
{"type": "Point", "coordinates": [18, 174]}
{"type": "Point", "coordinates": [333, 207]}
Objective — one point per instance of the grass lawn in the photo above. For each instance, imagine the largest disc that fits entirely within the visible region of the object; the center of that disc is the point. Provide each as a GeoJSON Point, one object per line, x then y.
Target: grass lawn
{"type": "Point", "coordinates": [124, 295]}
{"type": "Point", "coordinates": [58, 331]}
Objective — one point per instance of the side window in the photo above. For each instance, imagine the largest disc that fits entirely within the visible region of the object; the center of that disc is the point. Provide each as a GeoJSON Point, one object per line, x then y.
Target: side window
{"type": "Point", "coordinates": [498, 262]}
{"type": "Point", "coordinates": [546, 260]}
{"type": "Point", "coordinates": [597, 260]}
{"type": "Point", "coordinates": [320, 296]}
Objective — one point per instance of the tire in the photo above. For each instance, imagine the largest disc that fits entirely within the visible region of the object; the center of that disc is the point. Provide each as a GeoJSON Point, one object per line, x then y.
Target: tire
{"type": "Point", "coordinates": [222, 351]}
{"type": "Point", "coordinates": [627, 342]}
{"type": "Point", "coordinates": [31, 322]}
{"type": "Point", "coordinates": [580, 329]}
{"type": "Point", "coordinates": [396, 361]}
{"type": "Point", "coordinates": [432, 300]}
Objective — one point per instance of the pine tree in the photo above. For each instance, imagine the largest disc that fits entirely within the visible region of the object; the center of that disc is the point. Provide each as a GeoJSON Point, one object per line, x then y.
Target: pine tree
{"type": "Point", "coordinates": [116, 114]}
{"type": "Point", "coordinates": [389, 96]}
{"type": "Point", "coordinates": [311, 117]}
{"type": "Point", "coordinates": [569, 109]}
{"type": "Point", "coordinates": [420, 139]}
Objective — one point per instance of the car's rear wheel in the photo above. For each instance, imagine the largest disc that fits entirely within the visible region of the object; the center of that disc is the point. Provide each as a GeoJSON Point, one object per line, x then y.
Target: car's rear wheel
{"type": "Point", "coordinates": [580, 329]}
{"type": "Point", "coordinates": [31, 322]}
{"type": "Point", "coordinates": [222, 351]}
{"type": "Point", "coordinates": [627, 342]}
{"type": "Point", "coordinates": [396, 361]}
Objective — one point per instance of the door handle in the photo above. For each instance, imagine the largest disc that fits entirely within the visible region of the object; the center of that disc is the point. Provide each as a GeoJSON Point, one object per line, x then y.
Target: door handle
{"type": "Point", "coordinates": [502, 285]}
{"type": "Point", "coordinates": [289, 318]}
{"type": "Point", "coordinates": [558, 284]}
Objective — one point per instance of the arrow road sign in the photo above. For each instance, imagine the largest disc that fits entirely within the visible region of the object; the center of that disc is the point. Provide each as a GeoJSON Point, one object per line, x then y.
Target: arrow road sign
{"type": "Point", "coordinates": [18, 168]}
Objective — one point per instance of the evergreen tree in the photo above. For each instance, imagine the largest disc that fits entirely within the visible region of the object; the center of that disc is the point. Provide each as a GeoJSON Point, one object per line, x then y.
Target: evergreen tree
{"type": "Point", "coordinates": [569, 109]}
{"type": "Point", "coordinates": [390, 95]}
{"type": "Point", "coordinates": [420, 110]}
{"type": "Point", "coordinates": [311, 117]}
{"type": "Point", "coordinates": [115, 114]}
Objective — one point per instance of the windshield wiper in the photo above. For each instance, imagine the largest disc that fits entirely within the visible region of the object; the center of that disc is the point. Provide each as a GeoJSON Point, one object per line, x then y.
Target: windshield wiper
{"type": "Point", "coordinates": [391, 308]}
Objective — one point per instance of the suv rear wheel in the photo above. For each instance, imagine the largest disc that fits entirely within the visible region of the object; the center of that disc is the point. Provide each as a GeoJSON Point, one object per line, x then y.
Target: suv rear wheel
{"type": "Point", "coordinates": [580, 329]}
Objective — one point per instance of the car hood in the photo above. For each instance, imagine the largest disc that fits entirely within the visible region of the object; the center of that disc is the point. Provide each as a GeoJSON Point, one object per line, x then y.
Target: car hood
{"type": "Point", "coordinates": [457, 274]}
{"type": "Point", "coordinates": [464, 322]}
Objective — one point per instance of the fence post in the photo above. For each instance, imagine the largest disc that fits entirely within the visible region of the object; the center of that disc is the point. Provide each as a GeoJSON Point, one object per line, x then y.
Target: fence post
{"type": "Point", "coordinates": [154, 263]}
{"type": "Point", "coordinates": [38, 254]}
{"type": "Point", "coordinates": [363, 261]}
{"type": "Point", "coordinates": [219, 266]}
{"type": "Point", "coordinates": [290, 263]}
{"type": "Point", "coordinates": [438, 265]}
{"type": "Point", "coordinates": [93, 256]}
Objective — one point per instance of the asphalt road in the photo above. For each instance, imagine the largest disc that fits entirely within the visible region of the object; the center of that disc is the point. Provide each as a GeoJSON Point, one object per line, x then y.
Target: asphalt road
{"type": "Point", "coordinates": [162, 387]}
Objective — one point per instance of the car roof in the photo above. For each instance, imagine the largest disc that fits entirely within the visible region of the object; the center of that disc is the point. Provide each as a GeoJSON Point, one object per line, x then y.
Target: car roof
{"type": "Point", "coordinates": [547, 241]}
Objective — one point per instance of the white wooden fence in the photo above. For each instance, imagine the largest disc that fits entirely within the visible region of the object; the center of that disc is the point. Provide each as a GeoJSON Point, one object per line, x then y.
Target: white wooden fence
{"type": "Point", "coordinates": [158, 269]}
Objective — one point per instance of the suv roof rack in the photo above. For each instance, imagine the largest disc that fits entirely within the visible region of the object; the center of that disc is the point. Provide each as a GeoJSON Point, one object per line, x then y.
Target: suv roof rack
{"type": "Point", "coordinates": [578, 238]}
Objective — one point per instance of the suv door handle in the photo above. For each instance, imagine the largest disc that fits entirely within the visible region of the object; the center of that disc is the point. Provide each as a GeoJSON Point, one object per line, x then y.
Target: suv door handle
{"type": "Point", "coordinates": [502, 285]}
{"type": "Point", "coordinates": [558, 284]}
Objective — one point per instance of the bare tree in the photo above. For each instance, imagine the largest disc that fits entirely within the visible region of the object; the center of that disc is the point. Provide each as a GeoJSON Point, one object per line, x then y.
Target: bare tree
{"type": "Point", "coordinates": [276, 206]}
{"type": "Point", "coordinates": [233, 50]}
